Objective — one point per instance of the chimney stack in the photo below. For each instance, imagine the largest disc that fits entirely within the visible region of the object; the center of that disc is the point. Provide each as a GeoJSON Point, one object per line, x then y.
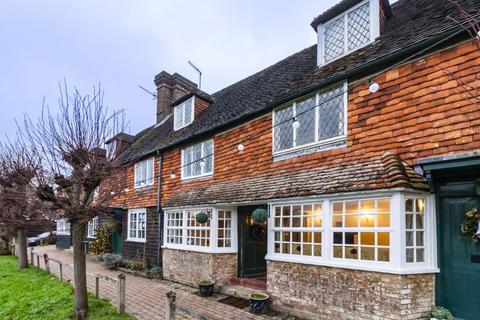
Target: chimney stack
{"type": "Point", "coordinates": [169, 89]}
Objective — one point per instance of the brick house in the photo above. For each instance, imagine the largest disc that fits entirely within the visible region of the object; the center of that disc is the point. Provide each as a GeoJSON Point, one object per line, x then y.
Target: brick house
{"type": "Point", "coordinates": [364, 149]}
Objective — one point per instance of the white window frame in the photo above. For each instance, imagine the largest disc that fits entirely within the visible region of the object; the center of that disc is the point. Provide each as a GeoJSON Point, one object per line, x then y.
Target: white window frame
{"type": "Point", "coordinates": [213, 248]}
{"type": "Point", "coordinates": [397, 263]}
{"type": "Point", "coordinates": [136, 238]}
{"type": "Point", "coordinates": [63, 227]}
{"type": "Point", "coordinates": [181, 107]}
{"type": "Point", "coordinates": [374, 31]}
{"type": "Point", "coordinates": [92, 227]}
{"type": "Point", "coordinates": [202, 174]}
{"type": "Point", "coordinates": [317, 142]}
{"type": "Point", "coordinates": [138, 182]}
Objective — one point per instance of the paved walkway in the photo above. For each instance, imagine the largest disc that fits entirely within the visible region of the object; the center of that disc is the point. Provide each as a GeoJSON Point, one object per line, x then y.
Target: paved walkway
{"type": "Point", "coordinates": [145, 298]}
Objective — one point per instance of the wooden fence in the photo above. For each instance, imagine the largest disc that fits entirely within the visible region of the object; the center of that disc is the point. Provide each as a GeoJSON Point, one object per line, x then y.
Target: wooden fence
{"type": "Point", "coordinates": [120, 281]}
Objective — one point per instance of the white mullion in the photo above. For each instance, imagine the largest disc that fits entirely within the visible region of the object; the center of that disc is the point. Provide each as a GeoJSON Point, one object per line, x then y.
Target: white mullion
{"type": "Point", "coordinates": [397, 237]}
{"type": "Point", "coordinates": [294, 130]}
{"type": "Point", "coordinates": [185, 228]}
{"type": "Point", "coordinates": [327, 235]}
{"type": "Point", "coordinates": [214, 229]}
{"type": "Point", "coordinates": [345, 39]}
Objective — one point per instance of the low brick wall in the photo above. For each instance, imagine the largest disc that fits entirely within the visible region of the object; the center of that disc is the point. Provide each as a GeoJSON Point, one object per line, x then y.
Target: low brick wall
{"type": "Point", "coordinates": [189, 267]}
{"type": "Point", "coordinates": [319, 292]}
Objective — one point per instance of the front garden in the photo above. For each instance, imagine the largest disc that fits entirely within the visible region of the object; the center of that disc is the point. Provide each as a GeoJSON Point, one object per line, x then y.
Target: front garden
{"type": "Point", "coordinates": [34, 294]}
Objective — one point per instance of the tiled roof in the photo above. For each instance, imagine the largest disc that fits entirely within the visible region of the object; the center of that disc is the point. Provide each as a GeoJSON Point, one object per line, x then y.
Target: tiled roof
{"type": "Point", "coordinates": [412, 24]}
{"type": "Point", "coordinates": [382, 172]}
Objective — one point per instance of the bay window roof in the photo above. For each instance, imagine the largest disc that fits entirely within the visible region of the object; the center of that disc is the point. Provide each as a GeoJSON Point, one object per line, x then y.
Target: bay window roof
{"type": "Point", "coordinates": [380, 172]}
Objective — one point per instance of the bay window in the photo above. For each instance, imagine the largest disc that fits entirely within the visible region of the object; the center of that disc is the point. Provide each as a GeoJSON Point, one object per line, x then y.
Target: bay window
{"type": "Point", "coordinates": [387, 232]}
{"type": "Point", "coordinates": [314, 120]}
{"type": "Point", "coordinates": [183, 231]}
{"type": "Point", "coordinates": [197, 160]}
{"type": "Point", "coordinates": [137, 225]}
{"type": "Point", "coordinates": [143, 175]}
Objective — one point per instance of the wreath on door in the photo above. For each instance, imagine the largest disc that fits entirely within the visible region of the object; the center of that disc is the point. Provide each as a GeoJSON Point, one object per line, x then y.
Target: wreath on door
{"type": "Point", "coordinates": [470, 226]}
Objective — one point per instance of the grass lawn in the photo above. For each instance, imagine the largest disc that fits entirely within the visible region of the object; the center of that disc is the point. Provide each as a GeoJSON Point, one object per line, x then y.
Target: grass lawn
{"type": "Point", "coordinates": [36, 295]}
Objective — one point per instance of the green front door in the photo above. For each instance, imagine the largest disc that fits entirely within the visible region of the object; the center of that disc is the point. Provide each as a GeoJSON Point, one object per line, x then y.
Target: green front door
{"type": "Point", "coordinates": [252, 244]}
{"type": "Point", "coordinates": [117, 232]}
{"type": "Point", "coordinates": [458, 284]}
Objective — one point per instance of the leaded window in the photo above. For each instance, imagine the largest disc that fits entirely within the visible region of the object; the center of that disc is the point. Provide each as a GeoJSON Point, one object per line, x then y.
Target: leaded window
{"type": "Point", "coordinates": [143, 175]}
{"type": "Point", "coordinates": [183, 114]}
{"type": "Point", "coordinates": [347, 32]}
{"type": "Point", "coordinates": [298, 229]}
{"type": "Point", "coordinates": [312, 120]}
{"type": "Point", "coordinates": [361, 229]}
{"type": "Point", "coordinates": [197, 160]}
{"type": "Point", "coordinates": [415, 230]}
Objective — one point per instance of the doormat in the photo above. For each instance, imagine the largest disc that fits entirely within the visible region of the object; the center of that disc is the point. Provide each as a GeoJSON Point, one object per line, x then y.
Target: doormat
{"type": "Point", "coordinates": [235, 302]}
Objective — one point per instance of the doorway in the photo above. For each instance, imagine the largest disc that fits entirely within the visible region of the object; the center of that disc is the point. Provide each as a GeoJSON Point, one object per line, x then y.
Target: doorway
{"type": "Point", "coordinates": [459, 259]}
{"type": "Point", "coordinates": [252, 244]}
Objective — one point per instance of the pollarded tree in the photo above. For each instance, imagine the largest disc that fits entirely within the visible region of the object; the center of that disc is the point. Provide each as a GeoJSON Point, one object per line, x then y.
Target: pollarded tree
{"type": "Point", "coordinates": [70, 143]}
{"type": "Point", "coordinates": [19, 207]}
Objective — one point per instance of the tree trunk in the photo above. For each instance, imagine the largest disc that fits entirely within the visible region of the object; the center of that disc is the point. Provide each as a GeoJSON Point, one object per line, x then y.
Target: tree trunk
{"type": "Point", "coordinates": [79, 270]}
{"type": "Point", "coordinates": [22, 249]}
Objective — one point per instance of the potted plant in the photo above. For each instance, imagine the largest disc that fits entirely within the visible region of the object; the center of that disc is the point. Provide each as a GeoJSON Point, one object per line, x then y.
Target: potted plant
{"type": "Point", "coordinates": [258, 302]}
{"type": "Point", "coordinates": [441, 313]}
{"type": "Point", "coordinates": [206, 287]}
{"type": "Point", "coordinates": [260, 215]}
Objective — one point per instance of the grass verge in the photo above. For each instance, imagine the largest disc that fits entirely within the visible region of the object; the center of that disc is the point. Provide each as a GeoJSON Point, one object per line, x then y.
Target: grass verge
{"type": "Point", "coordinates": [33, 294]}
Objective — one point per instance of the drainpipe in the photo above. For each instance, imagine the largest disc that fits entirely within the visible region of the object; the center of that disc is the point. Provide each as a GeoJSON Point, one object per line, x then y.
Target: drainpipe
{"type": "Point", "coordinates": [159, 211]}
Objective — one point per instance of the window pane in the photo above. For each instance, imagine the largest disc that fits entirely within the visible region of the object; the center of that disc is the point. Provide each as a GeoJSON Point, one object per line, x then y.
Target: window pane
{"type": "Point", "coordinates": [419, 221]}
{"type": "Point", "coordinates": [367, 220]}
{"type": "Point", "coordinates": [409, 205]}
{"type": "Point", "coordinates": [367, 238]}
{"type": "Point", "coordinates": [358, 26]}
{"type": "Point", "coordinates": [409, 239]}
{"type": "Point", "coordinates": [419, 239]}
{"type": "Point", "coordinates": [188, 111]}
{"type": "Point", "coordinates": [351, 221]}
{"type": "Point", "coordinates": [420, 255]}
{"type": "Point", "coordinates": [383, 220]}
{"type": "Point", "coordinates": [305, 112]}
{"type": "Point", "coordinates": [351, 252]}
{"type": "Point", "coordinates": [351, 207]}
{"type": "Point", "coordinates": [197, 155]}
{"type": "Point", "coordinates": [178, 115]}
{"type": "Point", "coordinates": [283, 129]}
{"type": "Point", "coordinates": [337, 221]}
{"type": "Point", "coordinates": [334, 39]}
{"type": "Point", "coordinates": [208, 155]}
{"type": "Point", "coordinates": [420, 205]}
{"type": "Point", "coordinates": [409, 253]}
{"type": "Point", "coordinates": [331, 117]}
{"type": "Point", "coordinates": [409, 221]}
{"type": "Point", "coordinates": [368, 253]}
{"type": "Point", "coordinates": [338, 252]}
{"type": "Point", "coordinates": [383, 239]}
{"type": "Point", "coordinates": [383, 254]}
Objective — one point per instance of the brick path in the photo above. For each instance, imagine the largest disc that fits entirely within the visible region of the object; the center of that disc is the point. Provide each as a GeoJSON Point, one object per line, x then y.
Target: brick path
{"type": "Point", "coordinates": [145, 298]}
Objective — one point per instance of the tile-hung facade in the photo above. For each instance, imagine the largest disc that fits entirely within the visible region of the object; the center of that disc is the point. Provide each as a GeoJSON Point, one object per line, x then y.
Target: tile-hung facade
{"type": "Point", "coordinates": [363, 149]}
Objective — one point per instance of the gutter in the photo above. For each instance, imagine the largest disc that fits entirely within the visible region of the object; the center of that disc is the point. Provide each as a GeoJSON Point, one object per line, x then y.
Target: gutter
{"type": "Point", "coordinates": [422, 46]}
{"type": "Point", "coordinates": [159, 212]}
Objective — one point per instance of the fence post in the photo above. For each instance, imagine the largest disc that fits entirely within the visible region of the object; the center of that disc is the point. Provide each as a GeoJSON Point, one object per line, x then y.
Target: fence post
{"type": "Point", "coordinates": [97, 286]}
{"type": "Point", "coordinates": [121, 293]}
{"type": "Point", "coordinates": [31, 257]}
{"type": "Point", "coordinates": [170, 307]}
{"type": "Point", "coordinates": [45, 258]}
{"type": "Point", "coordinates": [38, 261]}
{"type": "Point", "coordinates": [60, 271]}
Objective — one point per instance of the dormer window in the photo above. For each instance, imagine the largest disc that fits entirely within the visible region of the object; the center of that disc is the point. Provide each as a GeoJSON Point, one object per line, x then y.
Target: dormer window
{"type": "Point", "coordinates": [183, 114]}
{"type": "Point", "coordinates": [348, 32]}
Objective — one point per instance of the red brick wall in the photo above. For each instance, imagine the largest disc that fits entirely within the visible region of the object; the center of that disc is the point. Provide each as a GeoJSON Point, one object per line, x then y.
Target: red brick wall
{"type": "Point", "coordinates": [421, 110]}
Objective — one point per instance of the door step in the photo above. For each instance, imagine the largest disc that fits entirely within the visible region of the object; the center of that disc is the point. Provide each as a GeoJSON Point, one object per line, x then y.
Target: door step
{"type": "Point", "coordinates": [238, 291]}
{"type": "Point", "coordinates": [254, 283]}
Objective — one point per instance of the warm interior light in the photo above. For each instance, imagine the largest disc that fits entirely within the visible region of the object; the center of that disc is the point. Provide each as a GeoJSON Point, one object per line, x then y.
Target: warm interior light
{"type": "Point", "coordinates": [421, 205]}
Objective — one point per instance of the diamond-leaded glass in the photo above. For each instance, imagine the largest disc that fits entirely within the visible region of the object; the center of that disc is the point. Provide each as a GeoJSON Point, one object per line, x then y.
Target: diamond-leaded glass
{"type": "Point", "coordinates": [331, 118]}
{"type": "Point", "coordinates": [197, 160]}
{"type": "Point", "coordinates": [298, 124]}
{"type": "Point", "coordinates": [358, 27]}
{"type": "Point", "coordinates": [335, 39]}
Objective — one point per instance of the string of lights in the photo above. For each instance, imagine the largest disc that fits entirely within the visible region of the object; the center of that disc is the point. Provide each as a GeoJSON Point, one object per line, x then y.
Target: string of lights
{"type": "Point", "coordinates": [373, 88]}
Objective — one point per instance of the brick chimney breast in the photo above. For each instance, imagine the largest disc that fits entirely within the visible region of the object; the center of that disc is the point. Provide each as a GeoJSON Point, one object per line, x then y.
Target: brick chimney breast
{"type": "Point", "coordinates": [169, 89]}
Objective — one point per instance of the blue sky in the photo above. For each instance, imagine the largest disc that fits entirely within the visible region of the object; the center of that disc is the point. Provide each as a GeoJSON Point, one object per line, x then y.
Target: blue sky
{"type": "Point", "coordinates": [123, 44]}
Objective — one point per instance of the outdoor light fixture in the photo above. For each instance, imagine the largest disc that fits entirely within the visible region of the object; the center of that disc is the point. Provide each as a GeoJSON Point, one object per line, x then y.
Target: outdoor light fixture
{"type": "Point", "coordinates": [373, 86]}
{"type": "Point", "coordinates": [112, 193]}
{"type": "Point", "coordinates": [126, 190]}
{"type": "Point", "coordinates": [240, 147]}
{"type": "Point", "coordinates": [172, 174]}
{"type": "Point", "coordinates": [295, 123]}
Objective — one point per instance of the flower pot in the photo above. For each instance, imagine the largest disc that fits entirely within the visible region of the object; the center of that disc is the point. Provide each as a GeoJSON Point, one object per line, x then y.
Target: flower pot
{"type": "Point", "coordinates": [258, 302]}
{"type": "Point", "coordinates": [206, 288]}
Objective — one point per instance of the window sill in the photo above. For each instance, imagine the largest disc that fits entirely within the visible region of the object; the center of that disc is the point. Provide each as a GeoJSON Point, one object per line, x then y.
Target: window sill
{"type": "Point", "coordinates": [145, 186]}
{"type": "Point", "coordinates": [135, 240]}
{"type": "Point", "coordinates": [196, 177]}
{"type": "Point", "coordinates": [333, 143]}
{"type": "Point", "coordinates": [199, 249]}
{"type": "Point", "coordinates": [354, 265]}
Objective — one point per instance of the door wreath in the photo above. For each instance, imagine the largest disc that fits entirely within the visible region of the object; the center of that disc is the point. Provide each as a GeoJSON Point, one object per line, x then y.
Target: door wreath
{"type": "Point", "coordinates": [470, 226]}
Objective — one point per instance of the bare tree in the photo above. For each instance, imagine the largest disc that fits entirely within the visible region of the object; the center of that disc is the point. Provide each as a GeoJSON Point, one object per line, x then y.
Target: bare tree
{"type": "Point", "coordinates": [70, 143]}
{"type": "Point", "coordinates": [19, 207]}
